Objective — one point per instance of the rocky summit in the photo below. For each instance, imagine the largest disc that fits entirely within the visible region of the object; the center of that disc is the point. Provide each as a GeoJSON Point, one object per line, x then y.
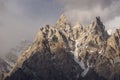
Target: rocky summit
{"type": "Point", "coordinates": [70, 52]}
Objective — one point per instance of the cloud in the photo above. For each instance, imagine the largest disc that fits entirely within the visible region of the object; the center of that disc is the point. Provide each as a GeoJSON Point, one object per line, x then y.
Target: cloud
{"type": "Point", "coordinates": [86, 16]}
{"type": "Point", "coordinates": [13, 25]}
{"type": "Point", "coordinates": [86, 4]}
{"type": "Point", "coordinates": [21, 20]}
{"type": "Point", "coordinates": [86, 10]}
{"type": "Point", "coordinates": [114, 23]}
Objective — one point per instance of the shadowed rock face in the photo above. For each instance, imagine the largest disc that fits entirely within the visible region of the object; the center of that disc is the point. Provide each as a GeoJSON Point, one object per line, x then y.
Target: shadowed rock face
{"type": "Point", "coordinates": [4, 66]}
{"type": "Point", "coordinates": [65, 52]}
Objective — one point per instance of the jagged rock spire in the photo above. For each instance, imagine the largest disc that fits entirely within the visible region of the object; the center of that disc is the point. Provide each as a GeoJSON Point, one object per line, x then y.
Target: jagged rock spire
{"type": "Point", "coordinates": [99, 23]}
{"type": "Point", "coordinates": [62, 19]}
{"type": "Point", "coordinates": [97, 27]}
{"type": "Point", "coordinates": [100, 27]}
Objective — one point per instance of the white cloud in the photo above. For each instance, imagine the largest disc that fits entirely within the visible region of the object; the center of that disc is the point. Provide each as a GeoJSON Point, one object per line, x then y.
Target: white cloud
{"type": "Point", "coordinates": [21, 19]}
{"type": "Point", "coordinates": [86, 10]}
{"type": "Point", "coordinates": [113, 24]}
{"type": "Point", "coordinates": [86, 16]}
{"type": "Point", "coordinates": [15, 26]}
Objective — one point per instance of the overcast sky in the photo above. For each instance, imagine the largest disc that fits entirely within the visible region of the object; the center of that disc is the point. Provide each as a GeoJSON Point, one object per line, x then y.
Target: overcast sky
{"type": "Point", "coordinates": [21, 19]}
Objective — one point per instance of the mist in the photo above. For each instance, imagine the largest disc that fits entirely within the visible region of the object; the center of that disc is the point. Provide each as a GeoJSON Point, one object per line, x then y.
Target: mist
{"type": "Point", "coordinates": [85, 11]}
{"type": "Point", "coordinates": [21, 19]}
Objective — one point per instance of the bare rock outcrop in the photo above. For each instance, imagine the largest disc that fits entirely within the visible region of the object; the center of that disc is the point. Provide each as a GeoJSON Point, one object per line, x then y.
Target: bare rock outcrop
{"type": "Point", "coordinates": [67, 52]}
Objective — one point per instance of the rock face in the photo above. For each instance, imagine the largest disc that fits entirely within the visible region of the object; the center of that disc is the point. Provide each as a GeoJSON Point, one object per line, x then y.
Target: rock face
{"type": "Point", "coordinates": [12, 55]}
{"type": "Point", "coordinates": [4, 68]}
{"type": "Point", "coordinates": [65, 52]}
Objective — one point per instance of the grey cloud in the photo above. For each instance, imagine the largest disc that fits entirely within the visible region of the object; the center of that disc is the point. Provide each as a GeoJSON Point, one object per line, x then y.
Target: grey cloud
{"type": "Point", "coordinates": [82, 4]}
{"type": "Point", "coordinates": [86, 10]}
{"type": "Point", "coordinates": [21, 20]}
{"type": "Point", "coordinates": [2, 5]}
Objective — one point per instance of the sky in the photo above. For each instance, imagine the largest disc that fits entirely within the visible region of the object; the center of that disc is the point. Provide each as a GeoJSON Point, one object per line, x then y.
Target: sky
{"type": "Point", "coordinates": [22, 19]}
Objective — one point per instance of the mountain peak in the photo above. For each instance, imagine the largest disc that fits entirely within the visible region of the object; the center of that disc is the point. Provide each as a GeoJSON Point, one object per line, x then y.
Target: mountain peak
{"type": "Point", "coordinates": [64, 50]}
{"type": "Point", "coordinates": [98, 19]}
{"type": "Point", "coordinates": [62, 19]}
{"type": "Point", "coordinates": [99, 22]}
{"type": "Point", "coordinates": [97, 27]}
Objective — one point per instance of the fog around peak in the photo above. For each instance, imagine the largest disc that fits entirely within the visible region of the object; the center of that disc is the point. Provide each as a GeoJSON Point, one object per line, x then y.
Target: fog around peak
{"type": "Point", "coordinates": [21, 19]}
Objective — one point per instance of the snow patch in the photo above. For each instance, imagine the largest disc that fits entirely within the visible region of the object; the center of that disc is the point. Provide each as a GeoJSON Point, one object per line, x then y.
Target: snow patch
{"type": "Point", "coordinates": [110, 31]}
{"type": "Point", "coordinates": [101, 52]}
{"type": "Point", "coordinates": [85, 72]}
{"type": "Point", "coordinates": [81, 63]}
{"type": "Point", "coordinates": [92, 51]}
{"type": "Point", "coordinates": [86, 69]}
{"type": "Point", "coordinates": [76, 50]}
